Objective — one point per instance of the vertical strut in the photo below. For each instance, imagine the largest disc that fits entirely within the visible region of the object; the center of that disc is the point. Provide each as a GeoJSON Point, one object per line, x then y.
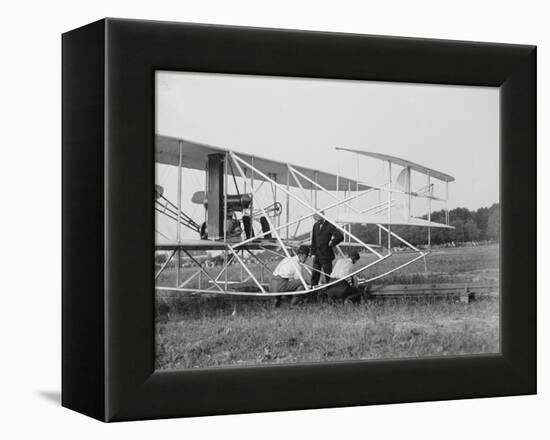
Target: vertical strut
{"type": "Point", "coordinates": [338, 179]}
{"type": "Point", "coordinates": [205, 190]}
{"type": "Point", "coordinates": [409, 188]}
{"type": "Point", "coordinates": [447, 202]}
{"type": "Point", "coordinates": [287, 201]}
{"type": "Point", "coordinates": [225, 213]}
{"type": "Point", "coordinates": [430, 194]}
{"type": "Point", "coordinates": [348, 226]}
{"type": "Point", "coordinates": [379, 229]}
{"type": "Point", "coordinates": [252, 199]}
{"type": "Point", "coordinates": [178, 232]}
{"type": "Point", "coordinates": [389, 207]}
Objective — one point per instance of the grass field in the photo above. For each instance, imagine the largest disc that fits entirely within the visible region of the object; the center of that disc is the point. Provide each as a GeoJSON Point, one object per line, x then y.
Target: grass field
{"type": "Point", "coordinates": [210, 332]}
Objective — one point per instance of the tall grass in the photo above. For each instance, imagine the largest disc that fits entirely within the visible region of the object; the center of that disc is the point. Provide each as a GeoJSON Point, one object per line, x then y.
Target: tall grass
{"type": "Point", "coordinates": [320, 332]}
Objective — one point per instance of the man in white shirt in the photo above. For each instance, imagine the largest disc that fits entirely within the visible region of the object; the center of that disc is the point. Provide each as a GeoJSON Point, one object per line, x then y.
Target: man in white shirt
{"type": "Point", "coordinates": [288, 275]}
{"type": "Point", "coordinates": [346, 289]}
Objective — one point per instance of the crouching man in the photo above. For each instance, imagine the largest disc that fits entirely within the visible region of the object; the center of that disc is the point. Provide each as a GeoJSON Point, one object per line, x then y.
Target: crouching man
{"type": "Point", "coordinates": [286, 276]}
{"type": "Point", "coordinates": [345, 290]}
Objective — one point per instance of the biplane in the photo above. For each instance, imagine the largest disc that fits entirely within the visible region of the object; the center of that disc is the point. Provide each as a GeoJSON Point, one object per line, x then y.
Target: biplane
{"type": "Point", "coordinates": [257, 210]}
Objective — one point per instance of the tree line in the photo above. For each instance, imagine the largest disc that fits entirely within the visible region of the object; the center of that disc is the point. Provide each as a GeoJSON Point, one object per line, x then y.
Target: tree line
{"type": "Point", "coordinates": [469, 226]}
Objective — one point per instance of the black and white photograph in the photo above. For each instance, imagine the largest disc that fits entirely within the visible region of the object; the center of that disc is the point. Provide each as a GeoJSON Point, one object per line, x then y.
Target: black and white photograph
{"type": "Point", "coordinates": [275, 220]}
{"type": "Point", "coordinates": [302, 220]}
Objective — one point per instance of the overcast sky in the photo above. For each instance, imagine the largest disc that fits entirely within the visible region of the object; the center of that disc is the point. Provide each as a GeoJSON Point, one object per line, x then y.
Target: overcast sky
{"type": "Point", "coordinates": [453, 129]}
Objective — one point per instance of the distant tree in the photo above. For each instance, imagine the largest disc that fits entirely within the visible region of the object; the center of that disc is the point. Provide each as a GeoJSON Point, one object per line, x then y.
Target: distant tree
{"type": "Point", "coordinates": [493, 223]}
{"type": "Point", "coordinates": [457, 234]}
{"type": "Point", "coordinates": [481, 218]}
{"type": "Point", "coordinates": [471, 231]}
{"type": "Point", "coordinates": [483, 224]}
{"type": "Point", "coordinates": [438, 235]}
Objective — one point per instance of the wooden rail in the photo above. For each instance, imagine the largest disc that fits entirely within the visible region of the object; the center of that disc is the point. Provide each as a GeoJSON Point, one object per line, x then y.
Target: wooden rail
{"type": "Point", "coordinates": [466, 292]}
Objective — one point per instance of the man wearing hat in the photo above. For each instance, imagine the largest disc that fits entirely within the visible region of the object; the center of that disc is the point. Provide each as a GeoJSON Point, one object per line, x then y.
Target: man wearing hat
{"type": "Point", "coordinates": [345, 290]}
{"type": "Point", "coordinates": [286, 276]}
{"type": "Point", "coordinates": [324, 237]}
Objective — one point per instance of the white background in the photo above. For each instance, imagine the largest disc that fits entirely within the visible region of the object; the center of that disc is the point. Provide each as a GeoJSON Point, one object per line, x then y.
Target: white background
{"type": "Point", "coordinates": [31, 218]}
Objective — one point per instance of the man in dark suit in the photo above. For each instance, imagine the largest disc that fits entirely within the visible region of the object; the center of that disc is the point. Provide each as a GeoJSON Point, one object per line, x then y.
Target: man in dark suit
{"type": "Point", "coordinates": [324, 237]}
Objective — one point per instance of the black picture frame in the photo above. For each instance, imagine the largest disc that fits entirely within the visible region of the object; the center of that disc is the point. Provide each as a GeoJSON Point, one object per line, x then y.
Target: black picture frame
{"type": "Point", "coordinates": [108, 221]}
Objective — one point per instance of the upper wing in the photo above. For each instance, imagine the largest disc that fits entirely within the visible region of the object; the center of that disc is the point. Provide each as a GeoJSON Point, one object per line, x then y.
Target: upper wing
{"type": "Point", "coordinates": [405, 163]}
{"type": "Point", "coordinates": [195, 156]}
